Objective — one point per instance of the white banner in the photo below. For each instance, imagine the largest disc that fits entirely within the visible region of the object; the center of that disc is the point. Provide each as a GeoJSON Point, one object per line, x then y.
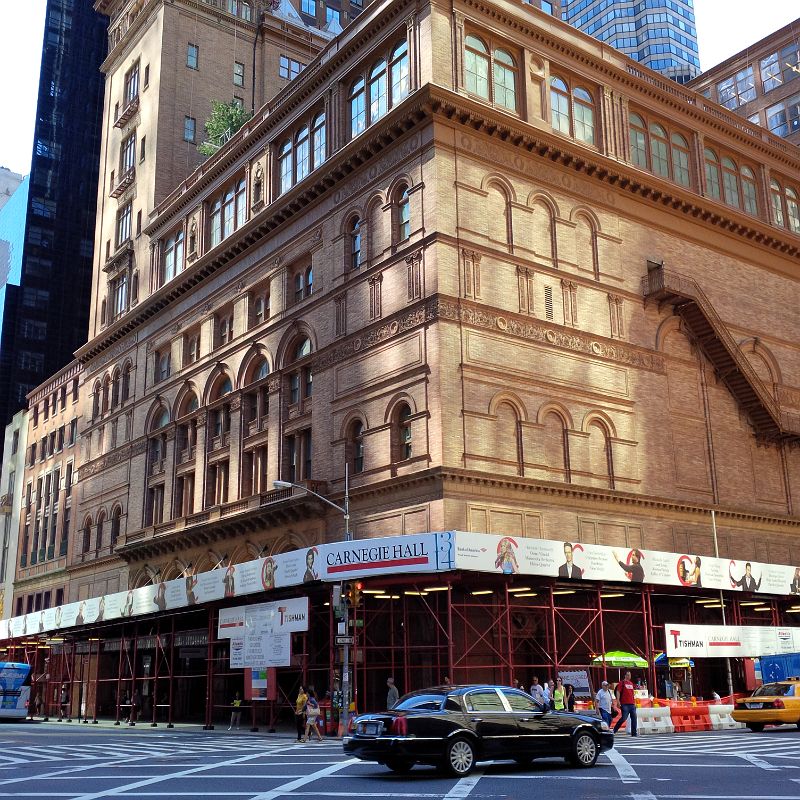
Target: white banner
{"type": "Point", "coordinates": [735, 641]}
{"type": "Point", "coordinates": [279, 616]}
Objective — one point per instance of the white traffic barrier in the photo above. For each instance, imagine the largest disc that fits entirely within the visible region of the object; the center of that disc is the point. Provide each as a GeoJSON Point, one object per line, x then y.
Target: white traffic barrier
{"type": "Point", "coordinates": [721, 719]}
{"type": "Point", "coordinates": [654, 720]}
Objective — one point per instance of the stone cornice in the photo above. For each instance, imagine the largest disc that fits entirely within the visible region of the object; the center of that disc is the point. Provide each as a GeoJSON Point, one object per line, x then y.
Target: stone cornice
{"type": "Point", "coordinates": [478, 118]}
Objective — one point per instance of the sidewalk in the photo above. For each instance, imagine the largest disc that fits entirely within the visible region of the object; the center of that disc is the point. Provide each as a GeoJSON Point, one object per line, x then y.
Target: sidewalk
{"type": "Point", "coordinates": [282, 732]}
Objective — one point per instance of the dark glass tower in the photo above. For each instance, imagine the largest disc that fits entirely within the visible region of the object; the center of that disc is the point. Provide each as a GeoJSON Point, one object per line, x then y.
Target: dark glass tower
{"type": "Point", "coordinates": [660, 34]}
{"type": "Point", "coordinates": [50, 317]}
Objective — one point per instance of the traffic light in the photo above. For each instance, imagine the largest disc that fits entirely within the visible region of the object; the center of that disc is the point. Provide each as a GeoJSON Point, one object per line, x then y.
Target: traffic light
{"type": "Point", "coordinates": [356, 597]}
{"type": "Point", "coordinates": [347, 595]}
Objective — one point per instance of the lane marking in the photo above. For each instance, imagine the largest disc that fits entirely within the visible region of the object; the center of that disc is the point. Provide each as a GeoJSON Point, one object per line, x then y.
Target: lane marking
{"type": "Point", "coordinates": [643, 796]}
{"type": "Point", "coordinates": [465, 786]}
{"type": "Point", "coordinates": [286, 788]}
{"type": "Point", "coordinates": [626, 772]}
{"type": "Point", "coordinates": [758, 762]}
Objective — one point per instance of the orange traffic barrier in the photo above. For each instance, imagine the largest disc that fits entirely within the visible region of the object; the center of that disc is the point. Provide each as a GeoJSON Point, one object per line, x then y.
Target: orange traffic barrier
{"type": "Point", "coordinates": [693, 718]}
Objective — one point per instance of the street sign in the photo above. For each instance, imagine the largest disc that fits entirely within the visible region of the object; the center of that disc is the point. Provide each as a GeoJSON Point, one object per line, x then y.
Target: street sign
{"type": "Point", "coordinates": [340, 640]}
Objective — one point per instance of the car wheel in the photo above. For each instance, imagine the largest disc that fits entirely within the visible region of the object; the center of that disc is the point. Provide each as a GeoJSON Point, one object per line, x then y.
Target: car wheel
{"type": "Point", "coordinates": [459, 757]}
{"type": "Point", "coordinates": [400, 765]}
{"type": "Point", "coordinates": [584, 750]}
{"type": "Point", "coordinates": [756, 727]}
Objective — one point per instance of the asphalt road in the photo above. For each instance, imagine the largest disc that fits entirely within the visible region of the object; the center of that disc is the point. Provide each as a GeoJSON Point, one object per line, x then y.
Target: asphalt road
{"type": "Point", "coordinates": [50, 760]}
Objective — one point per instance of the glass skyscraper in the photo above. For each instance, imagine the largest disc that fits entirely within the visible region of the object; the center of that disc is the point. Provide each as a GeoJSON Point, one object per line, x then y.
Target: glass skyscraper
{"type": "Point", "coordinates": [47, 277]}
{"type": "Point", "coordinates": [660, 34]}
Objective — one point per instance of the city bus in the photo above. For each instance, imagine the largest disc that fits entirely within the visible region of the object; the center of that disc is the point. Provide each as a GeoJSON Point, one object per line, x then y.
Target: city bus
{"type": "Point", "coordinates": [15, 690]}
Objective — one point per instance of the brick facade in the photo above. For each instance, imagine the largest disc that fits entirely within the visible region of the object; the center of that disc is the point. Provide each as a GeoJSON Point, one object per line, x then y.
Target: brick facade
{"type": "Point", "coordinates": [495, 362]}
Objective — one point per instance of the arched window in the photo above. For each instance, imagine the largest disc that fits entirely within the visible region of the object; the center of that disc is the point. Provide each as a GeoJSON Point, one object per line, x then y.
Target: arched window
{"type": "Point", "coordinates": [188, 404]}
{"type": "Point", "coordinates": [372, 94]}
{"type": "Point", "coordinates": [659, 149]}
{"type": "Point", "coordinates": [160, 420]}
{"type": "Point", "coordinates": [126, 381]}
{"type": "Point", "coordinates": [556, 447]}
{"type": "Point", "coordinates": [318, 136]}
{"type": "Point", "coordinates": [403, 439]}
{"type": "Point", "coordinates": [106, 393]}
{"type": "Point", "coordinates": [115, 387]}
{"type": "Point", "coordinates": [302, 349]}
{"type": "Point", "coordinates": [223, 387]}
{"type": "Point", "coordinates": [228, 212]}
{"type": "Point", "coordinates": [241, 203]}
{"type": "Point", "coordinates": [216, 222]}
{"type": "Point", "coordinates": [403, 214]}
{"type": "Point", "coordinates": [173, 257]}
{"type": "Point", "coordinates": [400, 72]}
{"type": "Point", "coordinates": [358, 111]}
{"type": "Point", "coordinates": [730, 181]}
{"type": "Point", "coordinates": [162, 360]}
{"type": "Point", "coordinates": [355, 243]}
{"type": "Point", "coordinates": [490, 72]}
{"type": "Point", "coordinates": [476, 67]}
{"type": "Point", "coordinates": [285, 166]}
{"type": "Point", "coordinates": [508, 432]}
{"type": "Point", "coordinates": [301, 154]}
{"type": "Point", "coordinates": [680, 160]}
{"type": "Point", "coordinates": [98, 539]}
{"type": "Point", "coordinates": [505, 80]}
{"type": "Point", "coordinates": [378, 92]}
{"type": "Point", "coordinates": [572, 110]}
{"type": "Point", "coordinates": [98, 390]}
{"type": "Point", "coordinates": [356, 442]}
{"type": "Point", "coordinates": [638, 137]}
{"type": "Point", "coordinates": [247, 12]}
{"type": "Point", "coordinates": [600, 458]}
{"type": "Point", "coordinates": [261, 370]}
{"type": "Point", "coordinates": [87, 535]}
{"type": "Point", "coordinates": [300, 379]}
{"type": "Point", "coordinates": [116, 520]}
{"type": "Point", "coordinates": [713, 184]}
{"type": "Point", "coordinates": [749, 200]}
{"type": "Point", "coordinates": [785, 210]}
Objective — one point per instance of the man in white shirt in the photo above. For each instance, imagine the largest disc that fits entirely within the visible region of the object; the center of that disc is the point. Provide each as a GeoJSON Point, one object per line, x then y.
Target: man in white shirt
{"type": "Point", "coordinates": [547, 692]}
{"type": "Point", "coordinates": [537, 693]}
{"type": "Point", "coordinates": [603, 700]}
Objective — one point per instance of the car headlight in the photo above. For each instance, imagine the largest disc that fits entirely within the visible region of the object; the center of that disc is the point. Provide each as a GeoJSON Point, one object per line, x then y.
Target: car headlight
{"type": "Point", "coordinates": [604, 726]}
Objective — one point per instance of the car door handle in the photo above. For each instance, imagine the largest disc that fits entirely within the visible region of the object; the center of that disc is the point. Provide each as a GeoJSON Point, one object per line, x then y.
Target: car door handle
{"type": "Point", "coordinates": [525, 719]}
{"type": "Point", "coordinates": [476, 719]}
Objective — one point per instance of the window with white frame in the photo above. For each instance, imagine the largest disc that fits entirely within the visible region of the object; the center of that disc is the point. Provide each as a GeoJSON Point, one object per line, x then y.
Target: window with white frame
{"type": "Point", "coordinates": [173, 257]}
{"type": "Point", "coordinates": [228, 212]}
{"type": "Point", "coordinates": [124, 216]}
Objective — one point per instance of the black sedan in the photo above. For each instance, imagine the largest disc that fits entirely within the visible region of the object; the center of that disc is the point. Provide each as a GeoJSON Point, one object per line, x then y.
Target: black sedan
{"type": "Point", "coordinates": [456, 726]}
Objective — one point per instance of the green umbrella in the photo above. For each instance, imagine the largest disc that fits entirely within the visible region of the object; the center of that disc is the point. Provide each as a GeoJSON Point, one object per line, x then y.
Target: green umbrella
{"type": "Point", "coordinates": [619, 658]}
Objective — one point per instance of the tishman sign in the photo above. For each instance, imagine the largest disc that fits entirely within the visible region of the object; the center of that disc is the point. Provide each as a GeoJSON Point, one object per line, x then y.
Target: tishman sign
{"type": "Point", "coordinates": [735, 641]}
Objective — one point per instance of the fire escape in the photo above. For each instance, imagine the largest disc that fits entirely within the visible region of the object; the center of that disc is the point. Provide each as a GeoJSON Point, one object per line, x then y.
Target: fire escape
{"type": "Point", "coordinates": [690, 303]}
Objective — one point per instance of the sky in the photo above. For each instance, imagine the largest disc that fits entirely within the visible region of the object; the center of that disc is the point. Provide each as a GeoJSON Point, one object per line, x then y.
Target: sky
{"type": "Point", "coordinates": [724, 27]}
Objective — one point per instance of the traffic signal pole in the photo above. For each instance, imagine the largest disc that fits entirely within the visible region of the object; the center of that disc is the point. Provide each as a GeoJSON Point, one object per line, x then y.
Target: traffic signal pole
{"type": "Point", "coordinates": [344, 716]}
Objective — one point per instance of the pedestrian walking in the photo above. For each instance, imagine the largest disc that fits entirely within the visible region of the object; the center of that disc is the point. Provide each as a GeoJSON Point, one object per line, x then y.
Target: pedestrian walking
{"type": "Point", "coordinates": [569, 697]}
{"type": "Point", "coordinates": [603, 701]}
{"type": "Point", "coordinates": [63, 704]}
{"type": "Point", "coordinates": [236, 711]}
{"type": "Point", "coordinates": [300, 712]}
{"type": "Point", "coordinates": [627, 702]}
{"type": "Point", "coordinates": [393, 695]}
{"type": "Point", "coordinates": [559, 696]}
{"type": "Point", "coordinates": [136, 704]}
{"type": "Point", "coordinates": [547, 694]}
{"type": "Point", "coordinates": [536, 691]}
{"type": "Point", "coordinates": [312, 715]}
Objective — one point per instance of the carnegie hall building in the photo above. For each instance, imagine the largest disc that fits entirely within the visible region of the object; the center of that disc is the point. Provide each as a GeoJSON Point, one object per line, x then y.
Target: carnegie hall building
{"type": "Point", "coordinates": [508, 280]}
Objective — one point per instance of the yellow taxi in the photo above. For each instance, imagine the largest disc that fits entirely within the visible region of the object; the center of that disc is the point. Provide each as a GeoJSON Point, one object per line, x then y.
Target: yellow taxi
{"type": "Point", "coordinates": [775, 703]}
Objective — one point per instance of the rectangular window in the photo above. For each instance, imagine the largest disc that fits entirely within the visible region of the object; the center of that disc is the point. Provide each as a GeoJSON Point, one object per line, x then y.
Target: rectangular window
{"type": "Point", "coordinates": [132, 84]}
{"type": "Point", "coordinates": [737, 90]}
{"type": "Point", "coordinates": [124, 216]}
{"type": "Point", "coordinates": [309, 7]}
{"type": "Point", "coordinates": [333, 14]}
{"type": "Point", "coordinates": [127, 157]}
{"type": "Point", "coordinates": [192, 56]}
{"type": "Point", "coordinates": [239, 101]}
{"type": "Point", "coordinates": [189, 127]}
{"type": "Point", "coordinates": [238, 73]}
{"type": "Point", "coordinates": [548, 302]}
{"type": "Point", "coordinates": [142, 149]}
{"type": "Point", "coordinates": [289, 68]}
{"type": "Point", "coordinates": [146, 75]}
{"type": "Point", "coordinates": [784, 118]}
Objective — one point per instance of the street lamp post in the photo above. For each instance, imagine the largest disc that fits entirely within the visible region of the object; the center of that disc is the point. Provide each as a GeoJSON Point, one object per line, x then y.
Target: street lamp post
{"type": "Point", "coordinates": [344, 510]}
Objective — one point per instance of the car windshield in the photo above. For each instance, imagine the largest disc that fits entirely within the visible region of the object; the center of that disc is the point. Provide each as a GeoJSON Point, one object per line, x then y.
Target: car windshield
{"type": "Point", "coordinates": [424, 701]}
{"type": "Point", "coordinates": [775, 690]}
